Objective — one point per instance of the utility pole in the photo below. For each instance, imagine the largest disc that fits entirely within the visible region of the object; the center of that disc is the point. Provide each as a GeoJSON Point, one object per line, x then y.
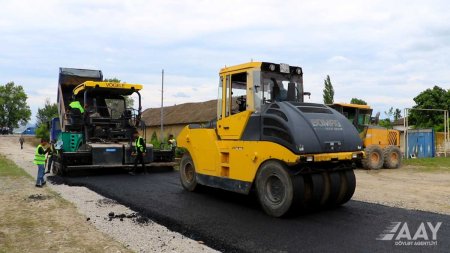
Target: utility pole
{"type": "Point", "coordinates": [162, 106]}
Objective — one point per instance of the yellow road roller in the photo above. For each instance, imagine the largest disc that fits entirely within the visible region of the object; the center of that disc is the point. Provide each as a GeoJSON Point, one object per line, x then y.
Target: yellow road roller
{"type": "Point", "coordinates": [295, 155]}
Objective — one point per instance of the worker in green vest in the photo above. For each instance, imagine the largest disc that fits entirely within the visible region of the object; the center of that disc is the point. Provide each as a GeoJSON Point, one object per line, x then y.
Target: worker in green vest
{"type": "Point", "coordinates": [76, 105]}
{"type": "Point", "coordinates": [76, 112]}
{"type": "Point", "coordinates": [39, 160]}
{"type": "Point", "coordinates": [140, 152]}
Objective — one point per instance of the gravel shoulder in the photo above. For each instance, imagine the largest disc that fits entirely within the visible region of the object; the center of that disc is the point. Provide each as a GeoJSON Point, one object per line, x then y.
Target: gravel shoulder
{"type": "Point", "coordinates": [121, 223]}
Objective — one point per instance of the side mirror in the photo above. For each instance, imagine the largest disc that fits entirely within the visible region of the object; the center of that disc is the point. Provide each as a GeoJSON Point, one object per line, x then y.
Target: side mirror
{"type": "Point", "coordinates": [291, 92]}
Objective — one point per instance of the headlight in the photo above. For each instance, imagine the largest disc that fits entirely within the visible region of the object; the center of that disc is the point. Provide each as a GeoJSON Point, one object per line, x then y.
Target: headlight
{"type": "Point", "coordinates": [299, 71]}
{"type": "Point", "coordinates": [272, 67]}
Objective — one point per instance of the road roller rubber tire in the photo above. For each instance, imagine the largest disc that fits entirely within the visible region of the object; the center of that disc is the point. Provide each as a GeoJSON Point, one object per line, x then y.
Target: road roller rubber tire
{"type": "Point", "coordinates": [335, 188]}
{"type": "Point", "coordinates": [277, 190]}
{"type": "Point", "coordinates": [188, 176]}
{"type": "Point", "coordinates": [326, 188]}
{"type": "Point", "coordinates": [348, 186]}
{"type": "Point", "coordinates": [315, 188]}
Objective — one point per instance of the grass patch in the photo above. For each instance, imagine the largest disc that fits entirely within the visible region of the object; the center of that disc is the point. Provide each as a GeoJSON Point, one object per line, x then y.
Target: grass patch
{"type": "Point", "coordinates": [47, 223]}
{"type": "Point", "coordinates": [9, 169]}
{"type": "Point", "coordinates": [429, 164]}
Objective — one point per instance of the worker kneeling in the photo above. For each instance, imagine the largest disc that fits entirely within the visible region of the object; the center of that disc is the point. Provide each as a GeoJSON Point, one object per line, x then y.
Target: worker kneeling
{"type": "Point", "coordinates": [139, 154]}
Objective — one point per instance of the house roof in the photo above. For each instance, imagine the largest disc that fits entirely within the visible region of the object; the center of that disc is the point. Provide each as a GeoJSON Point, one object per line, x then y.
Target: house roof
{"type": "Point", "coordinates": [399, 122]}
{"type": "Point", "coordinates": [181, 114]}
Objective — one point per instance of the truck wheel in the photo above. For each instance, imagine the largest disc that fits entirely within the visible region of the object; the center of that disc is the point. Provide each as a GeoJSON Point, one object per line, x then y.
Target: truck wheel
{"type": "Point", "coordinates": [275, 188]}
{"type": "Point", "coordinates": [55, 168]}
{"type": "Point", "coordinates": [374, 158]}
{"type": "Point", "coordinates": [58, 169]}
{"type": "Point", "coordinates": [392, 157]}
{"type": "Point", "coordinates": [187, 173]}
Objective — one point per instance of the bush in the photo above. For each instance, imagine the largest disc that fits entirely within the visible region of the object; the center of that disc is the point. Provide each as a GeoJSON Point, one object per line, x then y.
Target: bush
{"type": "Point", "coordinates": [154, 141]}
{"type": "Point", "coordinates": [179, 152]}
{"type": "Point", "coordinates": [42, 132]}
{"type": "Point", "coordinates": [158, 144]}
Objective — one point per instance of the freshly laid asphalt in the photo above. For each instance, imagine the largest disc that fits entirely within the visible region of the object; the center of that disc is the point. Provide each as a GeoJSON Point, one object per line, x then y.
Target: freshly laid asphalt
{"type": "Point", "coordinates": [235, 223]}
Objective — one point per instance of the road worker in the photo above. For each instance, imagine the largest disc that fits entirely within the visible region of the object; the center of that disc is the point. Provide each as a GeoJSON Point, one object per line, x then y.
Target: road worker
{"type": "Point", "coordinates": [139, 153]}
{"type": "Point", "coordinates": [39, 160]}
{"type": "Point", "coordinates": [76, 111]}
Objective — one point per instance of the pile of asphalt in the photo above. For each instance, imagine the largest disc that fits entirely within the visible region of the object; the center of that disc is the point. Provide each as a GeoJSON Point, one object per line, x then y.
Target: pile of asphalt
{"type": "Point", "coordinates": [38, 197]}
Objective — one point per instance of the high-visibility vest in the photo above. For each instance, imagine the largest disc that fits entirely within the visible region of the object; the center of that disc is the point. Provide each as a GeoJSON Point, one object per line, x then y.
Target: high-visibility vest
{"type": "Point", "coordinates": [139, 147]}
{"type": "Point", "coordinates": [76, 105]}
{"type": "Point", "coordinates": [38, 158]}
{"type": "Point", "coordinates": [173, 143]}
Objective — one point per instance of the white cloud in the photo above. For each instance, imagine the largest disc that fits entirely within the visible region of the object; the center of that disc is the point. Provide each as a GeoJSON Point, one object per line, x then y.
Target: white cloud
{"type": "Point", "coordinates": [384, 52]}
{"type": "Point", "coordinates": [339, 59]}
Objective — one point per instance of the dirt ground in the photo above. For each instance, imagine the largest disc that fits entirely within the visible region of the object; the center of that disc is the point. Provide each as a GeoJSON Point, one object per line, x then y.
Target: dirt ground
{"type": "Point", "coordinates": [409, 187]}
{"type": "Point", "coordinates": [39, 220]}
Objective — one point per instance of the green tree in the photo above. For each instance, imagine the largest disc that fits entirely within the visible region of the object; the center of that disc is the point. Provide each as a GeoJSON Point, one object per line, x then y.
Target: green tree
{"type": "Point", "coordinates": [435, 98]}
{"type": "Point", "coordinates": [397, 114]}
{"type": "Point", "coordinates": [42, 131]}
{"type": "Point", "coordinates": [13, 105]}
{"type": "Point", "coordinates": [385, 123]}
{"type": "Point", "coordinates": [391, 116]}
{"type": "Point", "coordinates": [389, 113]}
{"type": "Point", "coordinates": [154, 141]}
{"type": "Point", "coordinates": [46, 113]}
{"type": "Point", "coordinates": [328, 91]}
{"type": "Point", "coordinates": [358, 101]}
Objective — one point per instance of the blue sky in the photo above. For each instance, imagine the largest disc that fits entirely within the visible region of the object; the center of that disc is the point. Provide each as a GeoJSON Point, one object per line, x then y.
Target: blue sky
{"type": "Point", "coordinates": [385, 52]}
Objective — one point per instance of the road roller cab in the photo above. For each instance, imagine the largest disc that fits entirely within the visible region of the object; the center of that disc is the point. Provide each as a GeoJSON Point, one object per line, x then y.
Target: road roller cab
{"type": "Point", "coordinates": [265, 137]}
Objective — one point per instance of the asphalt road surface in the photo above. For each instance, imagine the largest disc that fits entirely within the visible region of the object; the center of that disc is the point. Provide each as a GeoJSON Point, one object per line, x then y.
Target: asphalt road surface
{"type": "Point", "coordinates": [235, 223]}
